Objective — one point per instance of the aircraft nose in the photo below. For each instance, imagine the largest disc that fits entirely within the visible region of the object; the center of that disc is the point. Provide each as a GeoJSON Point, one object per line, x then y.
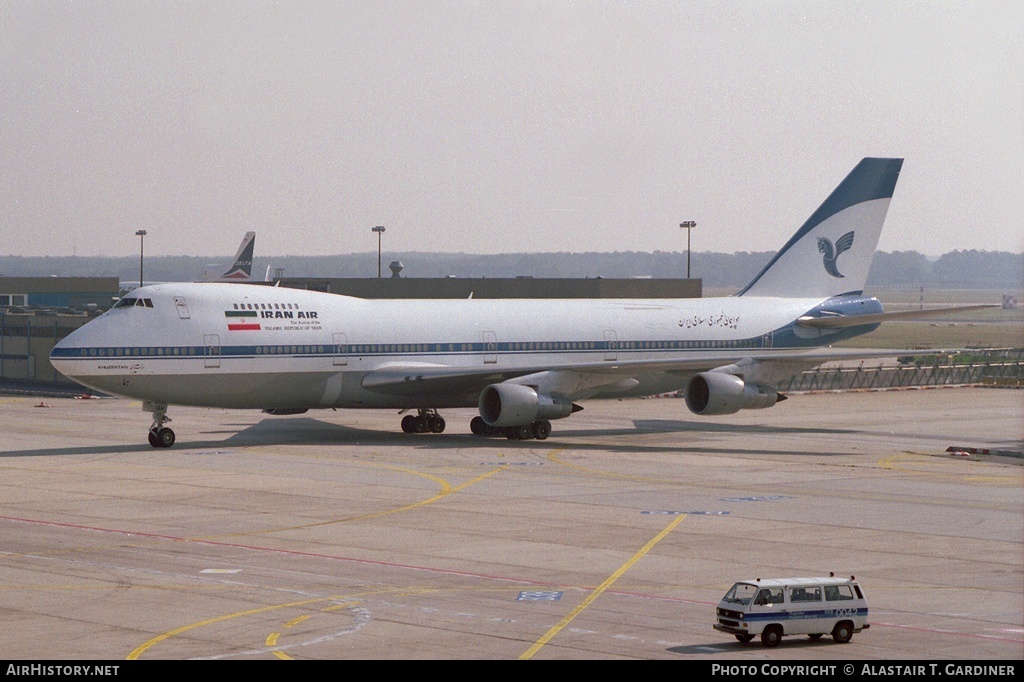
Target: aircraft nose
{"type": "Point", "coordinates": [68, 347]}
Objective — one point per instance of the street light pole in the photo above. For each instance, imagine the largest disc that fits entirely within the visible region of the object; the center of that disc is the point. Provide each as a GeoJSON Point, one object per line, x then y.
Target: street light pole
{"type": "Point", "coordinates": [142, 241]}
{"type": "Point", "coordinates": [689, 225]}
{"type": "Point", "coordinates": [379, 230]}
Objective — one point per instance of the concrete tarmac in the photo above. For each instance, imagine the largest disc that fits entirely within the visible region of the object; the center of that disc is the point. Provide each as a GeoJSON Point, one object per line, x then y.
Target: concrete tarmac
{"type": "Point", "coordinates": [332, 535]}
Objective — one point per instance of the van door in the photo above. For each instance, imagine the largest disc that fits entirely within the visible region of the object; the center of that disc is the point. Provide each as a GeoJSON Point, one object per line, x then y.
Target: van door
{"type": "Point", "coordinates": [767, 607]}
{"type": "Point", "coordinates": [807, 611]}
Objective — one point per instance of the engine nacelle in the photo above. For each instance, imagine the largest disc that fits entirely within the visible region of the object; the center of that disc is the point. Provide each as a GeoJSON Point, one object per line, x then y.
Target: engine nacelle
{"type": "Point", "coordinates": [723, 393]}
{"type": "Point", "coordinates": [515, 404]}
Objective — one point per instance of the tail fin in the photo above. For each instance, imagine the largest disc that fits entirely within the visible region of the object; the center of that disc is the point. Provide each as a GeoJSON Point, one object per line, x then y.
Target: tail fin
{"type": "Point", "coordinates": [242, 268]}
{"type": "Point", "coordinates": [832, 253]}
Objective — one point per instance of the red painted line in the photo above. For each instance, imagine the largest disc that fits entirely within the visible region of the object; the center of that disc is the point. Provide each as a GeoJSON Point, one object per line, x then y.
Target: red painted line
{"type": "Point", "coordinates": [244, 327]}
{"type": "Point", "coordinates": [257, 548]}
{"type": "Point", "coordinates": [944, 632]}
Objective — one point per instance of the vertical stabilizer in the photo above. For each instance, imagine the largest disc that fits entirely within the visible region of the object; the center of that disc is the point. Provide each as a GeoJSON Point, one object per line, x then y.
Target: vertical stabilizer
{"type": "Point", "coordinates": [242, 267]}
{"type": "Point", "coordinates": [832, 253]}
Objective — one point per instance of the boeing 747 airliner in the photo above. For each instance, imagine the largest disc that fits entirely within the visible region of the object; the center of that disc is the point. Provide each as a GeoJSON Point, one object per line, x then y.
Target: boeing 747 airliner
{"type": "Point", "coordinates": [522, 363]}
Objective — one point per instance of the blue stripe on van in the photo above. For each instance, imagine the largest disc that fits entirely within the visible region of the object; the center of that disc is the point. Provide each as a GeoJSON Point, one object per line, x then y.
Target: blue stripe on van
{"type": "Point", "coordinates": [776, 616]}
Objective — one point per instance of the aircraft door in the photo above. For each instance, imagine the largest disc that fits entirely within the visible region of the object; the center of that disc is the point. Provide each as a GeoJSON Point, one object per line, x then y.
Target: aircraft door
{"type": "Point", "coordinates": [211, 353]}
{"type": "Point", "coordinates": [490, 348]}
{"type": "Point", "coordinates": [340, 349]}
{"type": "Point", "coordinates": [182, 307]}
{"type": "Point", "coordinates": [611, 345]}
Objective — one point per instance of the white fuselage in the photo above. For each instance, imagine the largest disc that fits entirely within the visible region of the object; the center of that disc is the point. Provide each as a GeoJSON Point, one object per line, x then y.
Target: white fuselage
{"type": "Point", "coordinates": [253, 346]}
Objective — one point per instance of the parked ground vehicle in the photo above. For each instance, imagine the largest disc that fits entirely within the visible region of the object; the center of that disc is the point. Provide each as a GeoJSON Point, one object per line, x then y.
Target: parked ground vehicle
{"type": "Point", "coordinates": [772, 609]}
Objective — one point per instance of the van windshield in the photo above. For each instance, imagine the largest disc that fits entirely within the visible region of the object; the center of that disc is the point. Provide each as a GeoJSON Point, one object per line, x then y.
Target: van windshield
{"type": "Point", "coordinates": [741, 593]}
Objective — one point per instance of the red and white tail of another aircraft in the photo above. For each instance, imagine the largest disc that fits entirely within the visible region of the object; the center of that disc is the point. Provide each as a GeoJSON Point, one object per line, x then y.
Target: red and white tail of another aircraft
{"type": "Point", "coordinates": [521, 363]}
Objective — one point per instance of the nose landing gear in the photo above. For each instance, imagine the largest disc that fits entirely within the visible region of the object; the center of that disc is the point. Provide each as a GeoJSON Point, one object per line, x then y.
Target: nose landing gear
{"type": "Point", "coordinates": [159, 435]}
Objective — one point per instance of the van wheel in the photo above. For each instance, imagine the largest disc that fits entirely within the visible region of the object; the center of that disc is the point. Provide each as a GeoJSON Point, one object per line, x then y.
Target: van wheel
{"type": "Point", "coordinates": [843, 632]}
{"type": "Point", "coordinates": [744, 639]}
{"type": "Point", "coordinates": [816, 635]}
{"type": "Point", "coordinates": [772, 635]}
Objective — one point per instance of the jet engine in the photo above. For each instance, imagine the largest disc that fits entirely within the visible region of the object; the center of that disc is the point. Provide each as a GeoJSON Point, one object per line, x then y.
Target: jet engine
{"type": "Point", "coordinates": [711, 393]}
{"type": "Point", "coordinates": [516, 404]}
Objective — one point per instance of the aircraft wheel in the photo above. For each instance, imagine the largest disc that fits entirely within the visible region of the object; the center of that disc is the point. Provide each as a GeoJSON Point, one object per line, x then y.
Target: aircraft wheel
{"type": "Point", "coordinates": [843, 632]}
{"type": "Point", "coordinates": [478, 426]}
{"type": "Point", "coordinates": [541, 429]}
{"type": "Point", "coordinates": [409, 424]}
{"type": "Point", "coordinates": [165, 438]}
{"type": "Point", "coordinates": [152, 439]}
{"type": "Point", "coordinates": [420, 425]}
{"type": "Point", "coordinates": [771, 636]}
{"type": "Point", "coordinates": [437, 424]}
{"type": "Point", "coordinates": [521, 432]}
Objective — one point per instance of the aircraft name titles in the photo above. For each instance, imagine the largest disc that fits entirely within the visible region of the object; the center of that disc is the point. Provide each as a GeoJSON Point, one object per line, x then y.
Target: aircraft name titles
{"type": "Point", "coordinates": [721, 320]}
{"type": "Point", "coordinates": [289, 314]}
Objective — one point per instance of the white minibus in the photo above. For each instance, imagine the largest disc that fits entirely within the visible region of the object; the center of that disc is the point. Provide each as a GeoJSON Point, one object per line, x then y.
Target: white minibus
{"type": "Point", "coordinates": [774, 608]}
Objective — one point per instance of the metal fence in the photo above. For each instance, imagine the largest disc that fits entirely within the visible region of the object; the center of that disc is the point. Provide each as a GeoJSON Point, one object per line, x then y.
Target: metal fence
{"type": "Point", "coordinates": [1002, 367]}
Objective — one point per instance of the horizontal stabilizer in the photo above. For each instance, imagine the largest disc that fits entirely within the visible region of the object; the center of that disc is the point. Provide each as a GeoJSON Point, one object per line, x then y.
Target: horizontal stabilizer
{"type": "Point", "coordinates": [838, 321]}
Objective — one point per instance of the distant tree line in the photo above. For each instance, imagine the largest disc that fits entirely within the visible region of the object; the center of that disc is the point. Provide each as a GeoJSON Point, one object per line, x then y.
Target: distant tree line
{"type": "Point", "coordinates": [956, 269]}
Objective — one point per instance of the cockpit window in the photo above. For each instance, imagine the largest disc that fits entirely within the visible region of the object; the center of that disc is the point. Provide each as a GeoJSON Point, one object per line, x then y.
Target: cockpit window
{"type": "Point", "coordinates": [128, 302]}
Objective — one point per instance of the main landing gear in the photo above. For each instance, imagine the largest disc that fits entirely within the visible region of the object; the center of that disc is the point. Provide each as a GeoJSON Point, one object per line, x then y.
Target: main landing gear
{"type": "Point", "coordinates": [159, 435]}
{"type": "Point", "coordinates": [427, 420]}
{"type": "Point", "coordinates": [540, 429]}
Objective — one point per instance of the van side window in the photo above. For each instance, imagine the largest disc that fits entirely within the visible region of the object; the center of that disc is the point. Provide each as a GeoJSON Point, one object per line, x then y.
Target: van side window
{"type": "Point", "coordinates": [838, 593]}
{"type": "Point", "coordinates": [805, 593]}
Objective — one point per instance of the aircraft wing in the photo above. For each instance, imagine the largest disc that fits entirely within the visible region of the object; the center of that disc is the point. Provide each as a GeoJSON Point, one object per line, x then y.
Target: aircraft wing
{"type": "Point", "coordinates": [577, 381]}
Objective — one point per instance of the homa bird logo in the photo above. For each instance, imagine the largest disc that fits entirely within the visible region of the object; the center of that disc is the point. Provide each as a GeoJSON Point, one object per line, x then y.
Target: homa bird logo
{"type": "Point", "coordinates": [830, 254]}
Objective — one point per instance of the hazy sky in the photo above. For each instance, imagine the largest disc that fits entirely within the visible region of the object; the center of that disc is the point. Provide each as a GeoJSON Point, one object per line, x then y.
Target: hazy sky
{"type": "Point", "coordinates": [489, 126]}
